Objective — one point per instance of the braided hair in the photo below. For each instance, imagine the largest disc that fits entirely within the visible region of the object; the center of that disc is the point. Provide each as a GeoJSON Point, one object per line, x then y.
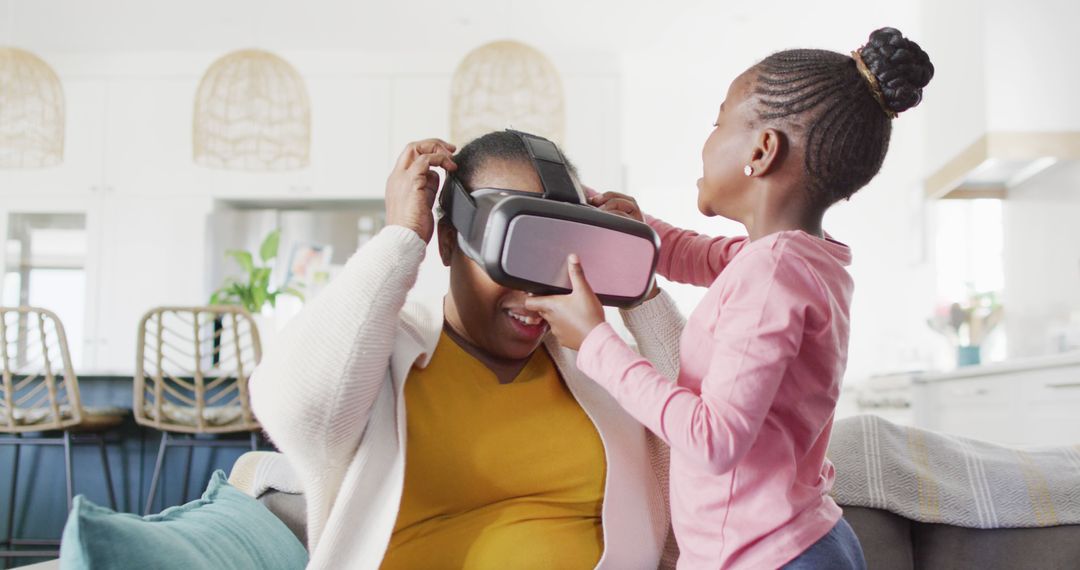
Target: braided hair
{"type": "Point", "coordinates": [845, 119]}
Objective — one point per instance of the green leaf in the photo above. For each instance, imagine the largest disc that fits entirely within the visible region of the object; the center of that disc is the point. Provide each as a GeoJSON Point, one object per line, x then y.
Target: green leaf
{"type": "Point", "coordinates": [260, 279]}
{"type": "Point", "coordinates": [242, 294]}
{"type": "Point", "coordinates": [258, 299]}
{"type": "Point", "coordinates": [269, 248]}
{"type": "Point", "coordinates": [243, 258]}
{"type": "Point", "coordinates": [224, 296]}
{"type": "Point", "coordinates": [291, 291]}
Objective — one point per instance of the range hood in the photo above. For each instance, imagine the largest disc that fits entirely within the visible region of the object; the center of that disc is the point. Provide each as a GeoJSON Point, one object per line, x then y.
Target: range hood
{"type": "Point", "coordinates": [1000, 160]}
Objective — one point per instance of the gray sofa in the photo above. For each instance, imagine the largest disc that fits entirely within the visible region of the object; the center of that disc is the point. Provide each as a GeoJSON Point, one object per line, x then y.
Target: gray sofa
{"type": "Point", "coordinates": [891, 542]}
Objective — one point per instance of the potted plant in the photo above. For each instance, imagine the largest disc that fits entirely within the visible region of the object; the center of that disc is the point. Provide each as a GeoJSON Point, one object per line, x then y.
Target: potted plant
{"type": "Point", "coordinates": [252, 290]}
{"type": "Point", "coordinates": [968, 324]}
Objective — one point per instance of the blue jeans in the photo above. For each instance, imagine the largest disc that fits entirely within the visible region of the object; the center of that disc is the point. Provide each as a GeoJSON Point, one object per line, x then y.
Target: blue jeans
{"type": "Point", "coordinates": [839, 549]}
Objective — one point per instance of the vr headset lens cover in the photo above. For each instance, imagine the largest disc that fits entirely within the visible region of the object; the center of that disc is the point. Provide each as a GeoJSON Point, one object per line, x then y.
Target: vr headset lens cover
{"type": "Point", "coordinates": [618, 264]}
{"type": "Point", "coordinates": [522, 239]}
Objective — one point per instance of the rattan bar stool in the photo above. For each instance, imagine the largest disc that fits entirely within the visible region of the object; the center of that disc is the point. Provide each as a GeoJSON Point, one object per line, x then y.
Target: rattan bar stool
{"type": "Point", "coordinates": [191, 379]}
{"type": "Point", "coordinates": [41, 397]}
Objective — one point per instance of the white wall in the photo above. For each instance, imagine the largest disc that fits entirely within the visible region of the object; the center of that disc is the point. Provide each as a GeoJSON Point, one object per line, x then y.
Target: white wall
{"type": "Point", "coordinates": [1031, 78]}
{"type": "Point", "coordinates": [643, 85]}
{"type": "Point", "coordinates": [1010, 66]}
{"type": "Point", "coordinates": [1001, 65]}
{"type": "Point", "coordinates": [128, 162]}
{"type": "Point", "coordinates": [1042, 261]}
{"type": "Point", "coordinates": [672, 89]}
{"type": "Point", "coordinates": [954, 109]}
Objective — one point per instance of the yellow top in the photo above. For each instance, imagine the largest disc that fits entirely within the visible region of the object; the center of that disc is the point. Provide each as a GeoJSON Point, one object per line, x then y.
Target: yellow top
{"type": "Point", "coordinates": [497, 475]}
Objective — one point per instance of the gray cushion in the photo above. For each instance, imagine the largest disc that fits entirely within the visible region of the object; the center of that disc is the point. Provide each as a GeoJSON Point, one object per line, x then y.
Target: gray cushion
{"type": "Point", "coordinates": [290, 508]}
{"type": "Point", "coordinates": [885, 538]}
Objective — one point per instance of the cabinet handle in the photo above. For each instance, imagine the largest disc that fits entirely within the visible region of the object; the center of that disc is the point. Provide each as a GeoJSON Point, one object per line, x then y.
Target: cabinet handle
{"type": "Point", "coordinates": [971, 392]}
{"type": "Point", "coordinates": [1064, 385]}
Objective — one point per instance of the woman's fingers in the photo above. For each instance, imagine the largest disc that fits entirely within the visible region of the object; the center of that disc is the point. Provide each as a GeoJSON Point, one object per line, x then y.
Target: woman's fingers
{"type": "Point", "coordinates": [432, 182]}
{"type": "Point", "coordinates": [417, 149]}
{"type": "Point", "coordinates": [425, 161]}
{"type": "Point", "coordinates": [412, 185]}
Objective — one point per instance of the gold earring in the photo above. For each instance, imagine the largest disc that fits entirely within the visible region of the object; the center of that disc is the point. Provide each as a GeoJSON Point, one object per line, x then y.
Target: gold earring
{"type": "Point", "coordinates": [748, 170]}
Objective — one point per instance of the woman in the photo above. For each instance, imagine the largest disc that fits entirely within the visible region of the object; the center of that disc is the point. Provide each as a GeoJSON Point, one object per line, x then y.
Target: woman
{"type": "Point", "coordinates": [460, 435]}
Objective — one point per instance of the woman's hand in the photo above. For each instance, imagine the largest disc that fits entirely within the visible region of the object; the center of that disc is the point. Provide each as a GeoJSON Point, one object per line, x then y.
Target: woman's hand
{"type": "Point", "coordinates": [617, 203]}
{"type": "Point", "coordinates": [412, 185]}
{"type": "Point", "coordinates": [571, 317]}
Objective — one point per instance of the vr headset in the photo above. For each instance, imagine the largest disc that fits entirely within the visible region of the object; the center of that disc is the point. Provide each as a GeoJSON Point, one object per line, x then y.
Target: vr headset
{"type": "Point", "coordinates": [522, 239]}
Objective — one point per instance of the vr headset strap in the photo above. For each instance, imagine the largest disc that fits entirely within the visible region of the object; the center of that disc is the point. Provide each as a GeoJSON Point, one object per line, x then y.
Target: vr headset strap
{"type": "Point", "coordinates": [462, 207]}
{"type": "Point", "coordinates": [551, 167]}
{"type": "Point", "coordinates": [462, 215]}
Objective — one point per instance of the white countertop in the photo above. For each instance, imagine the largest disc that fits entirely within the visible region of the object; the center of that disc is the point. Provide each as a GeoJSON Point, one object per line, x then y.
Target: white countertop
{"type": "Point", "coordinates": [1004, 367]}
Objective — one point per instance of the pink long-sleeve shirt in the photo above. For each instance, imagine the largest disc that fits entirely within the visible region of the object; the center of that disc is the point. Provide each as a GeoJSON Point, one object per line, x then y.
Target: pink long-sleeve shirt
{"type": "Point", "coordinates": [748, 420]}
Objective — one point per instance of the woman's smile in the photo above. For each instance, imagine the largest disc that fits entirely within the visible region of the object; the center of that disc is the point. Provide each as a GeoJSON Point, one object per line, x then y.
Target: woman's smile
{"type": "Point", "coordinates": [527, 324]}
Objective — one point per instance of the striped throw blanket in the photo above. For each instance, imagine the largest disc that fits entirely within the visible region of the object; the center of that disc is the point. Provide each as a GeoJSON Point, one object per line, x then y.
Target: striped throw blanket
{"type": "Point", "coordinates": [937, 478]}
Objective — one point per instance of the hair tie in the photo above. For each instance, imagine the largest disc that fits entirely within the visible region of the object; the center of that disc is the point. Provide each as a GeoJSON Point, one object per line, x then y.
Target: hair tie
{"type": "Point", "coordinates": [875, 87]}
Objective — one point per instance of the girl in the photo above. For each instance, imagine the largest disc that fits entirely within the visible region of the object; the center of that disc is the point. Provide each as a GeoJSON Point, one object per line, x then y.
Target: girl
{"type": "Point", "coordinates": [762, 356]}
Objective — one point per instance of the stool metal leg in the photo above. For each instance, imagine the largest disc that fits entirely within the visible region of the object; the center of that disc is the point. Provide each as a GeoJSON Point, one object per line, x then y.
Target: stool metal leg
{"type": "Point", "coordinates": [157, 471]}
{"type": "Point", "coordinates": [9, 544]}
{"type": "Point", "coordinates": [187, 471]}
{"type": "Point", "coordinates": [254, 441]}
{"type": "Point", "coordinates": [67, 469]}
{"type": "Point", "coordinates": [108, 472]}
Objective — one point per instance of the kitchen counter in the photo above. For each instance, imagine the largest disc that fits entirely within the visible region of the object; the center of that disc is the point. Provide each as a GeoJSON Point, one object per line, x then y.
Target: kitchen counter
{"type": "Point", "coordinates": [1022, 402]}
{"type": "Point", "coordinates": [1006, 367]}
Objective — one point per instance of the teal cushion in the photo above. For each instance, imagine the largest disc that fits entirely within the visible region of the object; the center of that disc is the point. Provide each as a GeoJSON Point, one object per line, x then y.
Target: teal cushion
{"type": "Point", "coordinates": [224, 529]}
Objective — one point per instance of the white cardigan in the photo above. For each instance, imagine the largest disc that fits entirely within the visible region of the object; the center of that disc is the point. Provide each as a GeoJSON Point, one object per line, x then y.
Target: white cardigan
{"type": "Point", "coordinates": [330, 396]}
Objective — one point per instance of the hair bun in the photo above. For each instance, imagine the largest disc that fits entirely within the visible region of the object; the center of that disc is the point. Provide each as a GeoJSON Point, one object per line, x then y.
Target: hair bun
{"type": "Point", "coordinates": [901, 67]}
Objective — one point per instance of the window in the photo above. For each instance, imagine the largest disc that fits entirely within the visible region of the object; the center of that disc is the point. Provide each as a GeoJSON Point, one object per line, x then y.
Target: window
{"type": "Point", "coordinates": [317, 237]}
{"type": "Point", "coordinates": [45, 261]}
{"type": "Point", "coordinates": [969, 249]}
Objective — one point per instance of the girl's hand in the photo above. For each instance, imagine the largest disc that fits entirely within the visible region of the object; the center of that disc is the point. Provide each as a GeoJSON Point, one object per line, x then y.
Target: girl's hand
{"type": "Point", "coordinates": [617, 203]}
{"type": "Point", "coordinates": [571, 317]}
{"type": "Point", "coordinates": [412, 185]}
{"type": "Point", "coordinates": [623, 205]}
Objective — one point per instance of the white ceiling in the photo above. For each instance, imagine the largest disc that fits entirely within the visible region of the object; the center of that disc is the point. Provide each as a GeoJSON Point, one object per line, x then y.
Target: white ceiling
{"type": "Point", "coordinates": [88, 26]}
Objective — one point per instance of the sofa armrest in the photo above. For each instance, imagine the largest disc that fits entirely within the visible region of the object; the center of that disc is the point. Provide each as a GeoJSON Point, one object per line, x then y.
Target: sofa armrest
{"type": "Point", "coordinates": [266, 476]}
{"type": "Point", "coordinates": [290, 508]}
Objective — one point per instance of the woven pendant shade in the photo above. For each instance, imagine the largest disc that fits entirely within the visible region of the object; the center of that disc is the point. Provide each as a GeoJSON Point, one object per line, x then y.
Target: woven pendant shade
{"type": "Point", "coordinates": [252, 113]}
{"type": "Point", "coordinates": [506, 84]}
{"type": "Point", "coordinates": [31, 111]}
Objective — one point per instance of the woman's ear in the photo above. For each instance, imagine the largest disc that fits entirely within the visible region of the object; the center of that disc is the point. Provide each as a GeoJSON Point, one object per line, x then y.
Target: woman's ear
{"type": "Point", "coordinates": [768, 153]}
{"type": "Point", "coordinates": [447, 241]}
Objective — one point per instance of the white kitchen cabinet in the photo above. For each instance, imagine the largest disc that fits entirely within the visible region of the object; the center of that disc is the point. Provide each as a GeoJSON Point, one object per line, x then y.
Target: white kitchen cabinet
{"type": "Point", "coordinates": [152, 252]}
{"type": "Point", "coordinates": [81, 170]}
{"type": "Point", "coordinates": [1024, 402]}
